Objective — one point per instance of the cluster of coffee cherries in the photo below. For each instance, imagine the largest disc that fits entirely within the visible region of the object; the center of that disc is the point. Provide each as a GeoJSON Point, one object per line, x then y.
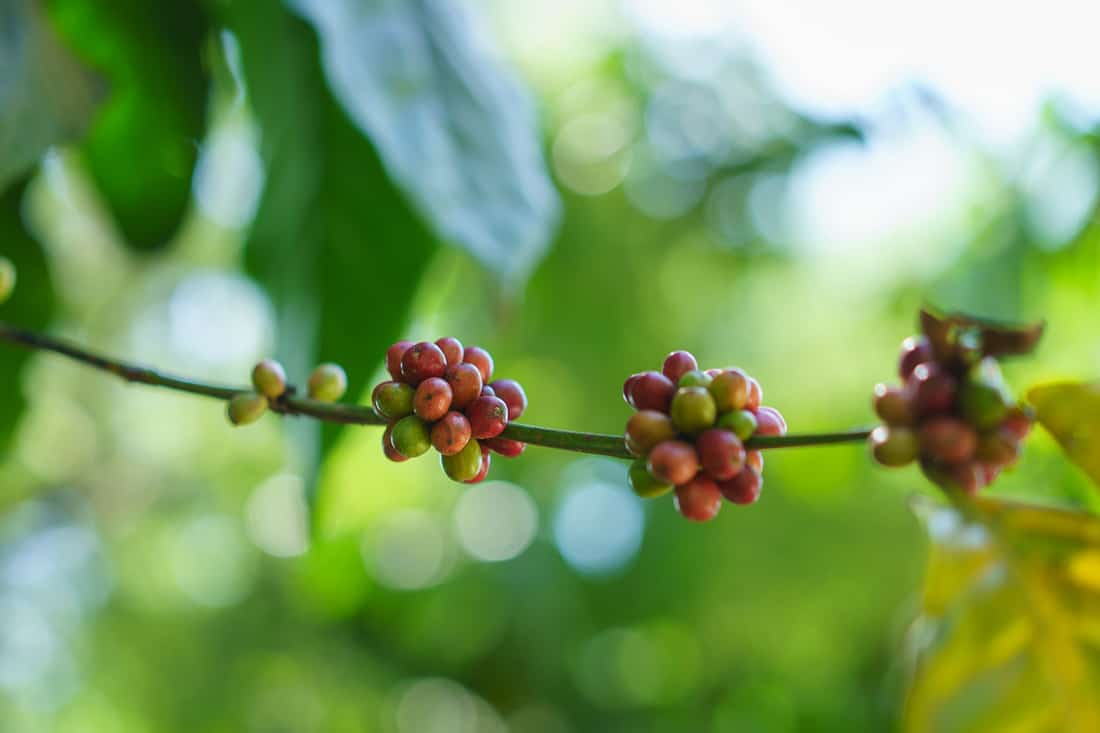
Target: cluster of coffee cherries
{"type": "Point", "coordinates": [689, 432]}
{"type": "Point", "coordinates": [327, 383]}
{"type": "Point", "coordinates": [441, 396]}
{"type": "Point", "coordinates": [954, 415]}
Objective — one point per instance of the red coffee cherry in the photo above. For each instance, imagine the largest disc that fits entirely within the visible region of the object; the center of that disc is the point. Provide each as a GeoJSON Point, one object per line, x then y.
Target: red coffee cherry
{"type": "Point", "coordinates": [628, 388]}
{"type": "Point", "coordinates": [505, 446]}
{"type": "Point", "coordinates": [1017, 423]}
{"type": "Point", "coordinates": [677, 364]}
{"type": "Point", "coordinates": [488, 391]}
{"type": "Point", "coordinates": [486, 463]}
{"type": "Point", "coordinates": [451, 433]}
{"type": "Point", "coordinates": [698, 500]}
{"type": "Point", "coordinates": [451, 348]}
{"type": "Point", "coordinates": [652, 391]}
{"type": "Point", "coordinates": [915, 351]}
{"type": "Point", "coordinates": [721, 453]}
{"type": "Point", "coordinates": [673, 462]}
{"type": "Point", "coordinates": [465, 381]}
{"type": "Point", "coordinates": [947, 440]}
{"type": "Point", "coordinates": [744, 488]}
{"type": "Point", "coordinates": [754, 459]}
{"type": "Point", "coordinates": [892, 405]}
{"type": "Point", "coordinates": [513, 395]}
{"type": "Point", "coordinates": [393, 358]}
{"type": "Point", "coordinates": [432, 399]}
{"type": "Point", "coordinates": [769, 422]}
{"type": "Point", "coordinates": [488, 417]}
{"type": "Point", "coordinates": [1000, 447]}
{"type": "Point", "coordinates": [756, 394]}
{"type": "Point", "coordinates": [646, 429]}
{"type": "Point", "coordinates": [422, 361]}
{"type": "Point", "coordinates": [387, 446]}
{"type": "Point", "coordinates": [480, 358]}
{"type": "Point", "coordinates": [932, 390]}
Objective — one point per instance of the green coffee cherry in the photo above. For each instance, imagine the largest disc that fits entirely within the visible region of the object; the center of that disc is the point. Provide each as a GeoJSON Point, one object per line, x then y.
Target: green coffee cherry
{"type": "Point", "coordinates": [695, 378]}
{"type": "Point", "coordinates": [410, 437]}
{"type": "Point", "coordinates": [246, 407]}
{"type": "Point", "coordinates": [982, 404]}
{"type": "Point", "coordinates": [644, 484]}
{"type": "Point", "coordinates": [692, 410]}
{"type": "Point", "coordinates": [741, 422]}
{"type": "Point", "coordinates": [328, 382]}
{"type": "Point", "coordinates": [894, 446]}
{"type": "Point", "coordinates": [269, 378]}
{"type": "Point", "coordinates": [465, 464]}
{"type": "Point", "coordinates": [7, 278]}
{"type": "Point", "coordinates": [393, 400]}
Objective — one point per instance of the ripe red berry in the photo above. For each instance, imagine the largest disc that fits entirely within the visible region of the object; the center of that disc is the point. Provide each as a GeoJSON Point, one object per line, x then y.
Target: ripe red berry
{"type": "Point", "coordinates": [513, 395]}
{"type": "Point", "coordinates": [505, 446]}
{"type": "Point", "coordinates": [393, 358]}
{"type": "Point", "coordinates": [673, 462]}
{"type": "Point", "coordinates": [480, 358]}
{"type": "Point", "coordinates": [770, 422]}
{"type": "Point", "coordinates": [1017, 423]}
{"type": "Point", "coordinates": [677, 364]}
{"type": "Point", "coordinates": [646, 429]}
{"type": "Point", "coordinates": [488, 417]}
{"type": "Point", "coordinates": [488, 391]}
{"type": "Point", "coordinates": [698, 500]}
{"type": "Point", "coordinates": [915, 351]}
{"type": "Point", "coordinates": [932, 390]}
{"type": "Point", "coordinates": [465, 381]}
{"type": "Point", "coordinates": [652, 391]}
{"type": "Point", "coordinates": [451, 348]}
{"type": "Point", "coordinates": [754, 459]}
{"type": "Point", "coordinates": [730, 389]}
{"type": "Point", "coordinates": [432, 399]}
{"type": "Point", "coordinates": [387, 446]}
{"type": "Point", "coordinates": [892, 405]}
{"type": "Point", "coordinates": [720, 453]}
{"type": "Point", "coordinates": [451, 433]}
{"type": "Point", "coordinates": [756, 394]}
{"type": "Point", "coordinates": [483, 471]}
{"type": "Point", "coordinates": [744, 488]}
{"type": "Point", "coordinates": [712, 373]}
{"type": "Point", "coordinates": [947, 440]}
{"type": "Point", "coordinates": [628, 388]}
{"type": "Point", "coordinates": [422, 361]}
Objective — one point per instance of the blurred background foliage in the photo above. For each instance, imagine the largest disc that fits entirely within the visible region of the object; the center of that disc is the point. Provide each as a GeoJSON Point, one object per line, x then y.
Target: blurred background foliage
{"type": "Point", "coordinates": [579, 187]}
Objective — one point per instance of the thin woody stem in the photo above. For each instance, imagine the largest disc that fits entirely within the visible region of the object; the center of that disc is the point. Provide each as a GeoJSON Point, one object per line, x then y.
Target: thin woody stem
{"type": "Point", "coordinates": [334, 412]}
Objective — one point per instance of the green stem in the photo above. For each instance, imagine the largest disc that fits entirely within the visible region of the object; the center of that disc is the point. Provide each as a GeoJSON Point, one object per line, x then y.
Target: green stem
{"type": "Point", "coordinates": [334, 412]}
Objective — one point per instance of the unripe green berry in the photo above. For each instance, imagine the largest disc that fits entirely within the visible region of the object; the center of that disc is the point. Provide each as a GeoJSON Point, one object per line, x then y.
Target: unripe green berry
{"type": "Point", "coordinates": [644, 484]}
{"type": "Point", "coordinates": [328, 382]}
{"type": "Point", "coordinates": [410, 436]}
{"type": "Point", "coordinates": [982, 404]}
{"type": "Point", "coordinates": [269, 378]}
{"type": "Point", "coordinates": [393, 400]}
{"type": "Point", "coordinates": [894, 446]}
{"type": "Point", "coordinates": [892, 405]}
{"type": "Point", "coordinates": [246, 407]}
{"type": "Point", "coordinates": [692, 410]}
{"type": "Point", "coordinates": [730, 390]}
{"type": "Point", "coordinates": [694, 378]}
{"type": "Point", "coordinates": [465, 464]}
{"type": "Point", "coordinates": [741, 422]}
{"type": "Point", "coordinates": [7, 278]}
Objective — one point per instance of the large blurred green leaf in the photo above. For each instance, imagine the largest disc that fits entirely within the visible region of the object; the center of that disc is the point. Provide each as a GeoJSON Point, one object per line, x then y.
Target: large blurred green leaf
{"type": "Point", "coordinates": [1009, 634]}
{"type": "Point", "coordinates": [1070, 411]}
{"type": "Point", "coordinates": [30, 305]}
{"type": "Point", "coordinates": [334, 242]}
{"type": "Point", "coordinates": [142, 149]}
{"type": "Point", "coordinates": [454, 130]}
{"type": "Point", "coordinates": [45, 94]}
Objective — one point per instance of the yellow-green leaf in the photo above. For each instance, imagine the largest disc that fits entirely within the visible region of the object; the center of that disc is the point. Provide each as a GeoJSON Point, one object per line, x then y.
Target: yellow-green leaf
{"type": "Point", "coordinates": [1009, 633]}
{"type": "Point", "coordinates": [1070, 411]}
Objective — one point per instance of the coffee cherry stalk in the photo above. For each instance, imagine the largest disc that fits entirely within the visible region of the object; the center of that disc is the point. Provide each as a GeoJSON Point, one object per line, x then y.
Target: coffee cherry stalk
{"type": "Point", "coordinates": [698, 433]}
